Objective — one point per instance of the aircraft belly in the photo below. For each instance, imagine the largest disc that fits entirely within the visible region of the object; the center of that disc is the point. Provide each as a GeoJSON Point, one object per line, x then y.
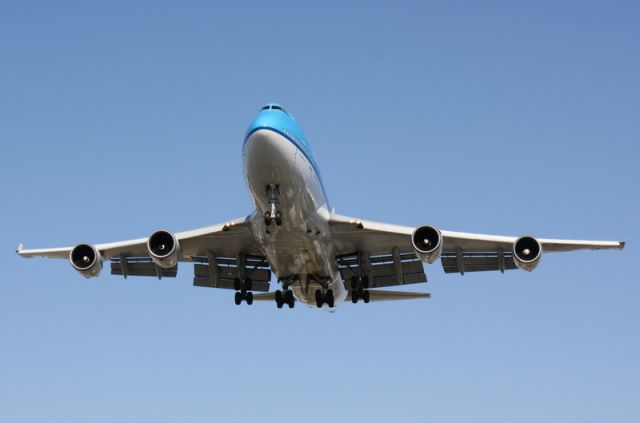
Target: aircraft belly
{"type": "Point", "coordinates": [302, 245]}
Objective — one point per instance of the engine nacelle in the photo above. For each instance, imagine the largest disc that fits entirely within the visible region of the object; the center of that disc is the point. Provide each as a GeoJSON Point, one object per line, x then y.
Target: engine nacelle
{"type": "Point", "coordinates": [427, 243]}
{"type": "Point", "coordinates": [527, 252]}
{"type": "Point", "coordinates": [86, 260]}
{"type": "Point", "coordinates": [164, 249]}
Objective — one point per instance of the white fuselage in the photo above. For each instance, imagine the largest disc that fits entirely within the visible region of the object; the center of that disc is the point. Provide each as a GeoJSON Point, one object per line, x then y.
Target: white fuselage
{"type": "Point", "coordinates": [301, 251]}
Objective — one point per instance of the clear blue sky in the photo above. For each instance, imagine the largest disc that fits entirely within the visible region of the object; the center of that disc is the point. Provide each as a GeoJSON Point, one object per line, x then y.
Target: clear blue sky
{"type": "Point", "coordinates": [120, 118]}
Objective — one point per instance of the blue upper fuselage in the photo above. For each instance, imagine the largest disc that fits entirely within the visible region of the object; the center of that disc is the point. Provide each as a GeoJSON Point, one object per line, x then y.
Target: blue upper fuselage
{"type": "Point", "coordinates": [274, 118]}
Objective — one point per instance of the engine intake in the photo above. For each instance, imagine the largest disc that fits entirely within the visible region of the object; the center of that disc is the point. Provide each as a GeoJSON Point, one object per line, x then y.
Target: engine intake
{"type": "Point", "coordinates": [527, 252]}
{"type": "Point", "coordinates": [164, 249]}
{"type": "Point", "coordinates": [427, 243]}
{"type": "Point", "coordinates": [86, 260]}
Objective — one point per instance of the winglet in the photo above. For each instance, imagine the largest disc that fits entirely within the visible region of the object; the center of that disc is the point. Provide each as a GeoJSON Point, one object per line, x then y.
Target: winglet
{"type": "Point", "coordinates": [19, 248]}
{"type": "Point", "coordinates": [622, 244]}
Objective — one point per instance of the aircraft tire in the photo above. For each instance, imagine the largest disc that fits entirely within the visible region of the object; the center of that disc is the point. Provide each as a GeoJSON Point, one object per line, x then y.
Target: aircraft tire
{"type": "Point", "coordinates": [330, 301]}
{"type": "Point", "coordinates": [288, 298]}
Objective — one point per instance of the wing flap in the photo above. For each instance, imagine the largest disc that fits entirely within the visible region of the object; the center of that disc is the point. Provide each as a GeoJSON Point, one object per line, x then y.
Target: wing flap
{"type": "Point", "coordinates": [220, 272]}
{"type": "Point", "coordinates": [383, 270]}
{"type": "Point", "coordinates": [228, 284]}
{"type": "Point", "coordinates": [460, 262]}
{"type": "Point", "coordinates": [141, 266]}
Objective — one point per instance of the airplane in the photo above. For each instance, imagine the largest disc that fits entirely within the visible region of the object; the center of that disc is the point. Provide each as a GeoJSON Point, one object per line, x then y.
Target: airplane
{"type": "Point", "coordinates": [319, 258]}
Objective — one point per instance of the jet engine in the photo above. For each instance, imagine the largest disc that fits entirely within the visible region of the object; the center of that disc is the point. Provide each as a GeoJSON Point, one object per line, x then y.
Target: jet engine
{"type": "Point", "coordinates": [527, 252]}
{"type": "Point", "coordinates": [427, 243]}
{"type": "Point", "coordinates": [86, 260]}
{"type": "Point", "coordinates": [164, 249]}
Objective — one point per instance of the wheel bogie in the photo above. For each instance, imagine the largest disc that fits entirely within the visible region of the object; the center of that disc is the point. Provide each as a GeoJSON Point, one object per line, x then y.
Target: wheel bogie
{"type": "Point", "coordinates": [283, 298]}
{"type": "Point", "coordinates": [243, 291]}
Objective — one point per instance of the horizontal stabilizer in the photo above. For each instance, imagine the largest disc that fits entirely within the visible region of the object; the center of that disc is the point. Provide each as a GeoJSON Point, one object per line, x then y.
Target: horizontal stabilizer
{"type": "Point", "coordinates": [380, 295]}
{"type": "Point", "coordinates": [267, 296]}
{"type": "Point", "coordinates": [374, 295]}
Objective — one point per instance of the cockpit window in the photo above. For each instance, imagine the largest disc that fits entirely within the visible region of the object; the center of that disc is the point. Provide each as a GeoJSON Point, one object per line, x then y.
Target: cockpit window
{"type": "Point", "coordinates": [273, 107]}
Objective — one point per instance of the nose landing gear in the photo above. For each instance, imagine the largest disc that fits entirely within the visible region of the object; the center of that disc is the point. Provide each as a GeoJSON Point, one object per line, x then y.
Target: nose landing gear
{"type": "Point", "coordinates": [273, 214]}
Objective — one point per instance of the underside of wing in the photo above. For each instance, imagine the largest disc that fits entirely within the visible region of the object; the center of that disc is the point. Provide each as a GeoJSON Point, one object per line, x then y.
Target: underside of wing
{"type": "Point", "coordinates": [228, 239]}
{"type": "Point", "coordinates": [374, 254]}
{"type": "Point", "coordinates": [380, 270]}
{"type": "Point", "coordinates": [351, 235]}
{"type": "Point", "coordinates": [458, 251]}
{"type": "Point", "coordinates": [222, 255]}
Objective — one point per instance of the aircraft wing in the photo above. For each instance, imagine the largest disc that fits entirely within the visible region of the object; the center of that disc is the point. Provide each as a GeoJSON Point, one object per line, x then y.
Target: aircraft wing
{"type": "Point", "coordinates": [228, 238]}
{"type": "Point", "coordinates": [220, 252]}
{"type": "Point", "coordinates": [460, 252]}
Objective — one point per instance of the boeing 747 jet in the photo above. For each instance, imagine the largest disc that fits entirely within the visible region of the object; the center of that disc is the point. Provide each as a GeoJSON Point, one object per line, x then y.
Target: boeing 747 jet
{"type": "Point", "coordinates": [318, 257]}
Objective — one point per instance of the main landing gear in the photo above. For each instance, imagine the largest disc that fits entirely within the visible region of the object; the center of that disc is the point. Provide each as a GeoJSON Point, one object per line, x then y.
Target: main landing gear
{"type": "Point", "coordinates": [273, 215]}
{"type": "Point", "coordinates": [243, 290]}
{"type": "Point", "coordinates": [359, 289]}
{"type": "Point", "coordinates": [285, 297]}
{"type": "Point", "coordinates": [324, 297]}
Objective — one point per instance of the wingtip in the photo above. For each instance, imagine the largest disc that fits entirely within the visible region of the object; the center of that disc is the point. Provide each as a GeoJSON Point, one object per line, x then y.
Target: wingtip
{"type": "Point", "coordinates": [19, 249]}
{"type": "Point", "coordinates": [622, 244]}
